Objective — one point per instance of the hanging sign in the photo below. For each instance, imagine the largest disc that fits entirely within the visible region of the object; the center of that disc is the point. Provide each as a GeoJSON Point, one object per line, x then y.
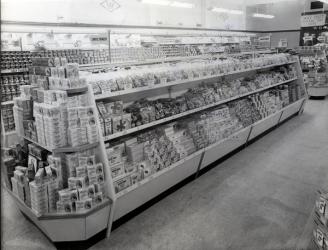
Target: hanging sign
{"type": "Point", "coordinates": [313, 20]}
{"type": "Point", "coordinates": [101, 38]}
{"type": "Point", "coordinates": [264, 39]}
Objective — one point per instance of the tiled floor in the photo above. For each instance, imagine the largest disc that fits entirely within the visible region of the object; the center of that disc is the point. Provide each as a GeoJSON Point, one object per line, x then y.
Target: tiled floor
{"type": "Point", "coordinates": [260, 198]}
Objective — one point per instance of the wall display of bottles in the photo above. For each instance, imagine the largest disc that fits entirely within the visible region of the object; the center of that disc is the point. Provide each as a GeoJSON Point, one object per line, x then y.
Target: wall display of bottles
{"type": "Point", "coordinates": [15, 60]}
{"type": "Point", "coordinates": [10, 84]}
{"type": "Point", "coordinates": [320, 230]}
{"type": "Point", "coordinates": [80, 56]}
{"type": "Point", "coordinates": [14, 73]}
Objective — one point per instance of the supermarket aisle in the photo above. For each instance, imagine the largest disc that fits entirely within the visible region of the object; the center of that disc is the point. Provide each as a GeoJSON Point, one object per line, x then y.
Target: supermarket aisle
{"type": "Point", "coordinates": [261, 198]}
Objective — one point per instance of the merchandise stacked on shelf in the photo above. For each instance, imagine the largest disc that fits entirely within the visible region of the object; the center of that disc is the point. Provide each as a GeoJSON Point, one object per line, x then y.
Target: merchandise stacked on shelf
{"type": "Point", "coordinates": [133, 159]}
{"type": "Point", "coordinates": [80, 56]}
{"type": "Point", "coordinates": [114, 118]}
{"type": "Point", "coordinates": [320, 231]}
{"type": "Point", "coordinates": [141, 76]}
{"type": "Point", "coordinates": [8, 118]}
{"type": "Point", "coordinates": [14, 68]}
{"type": "Point", "coordinates": [137, 157]}
{"type": "Point", "coordinates": [119, 55]}
{"type": "Point", "coordinates": [63, 172]}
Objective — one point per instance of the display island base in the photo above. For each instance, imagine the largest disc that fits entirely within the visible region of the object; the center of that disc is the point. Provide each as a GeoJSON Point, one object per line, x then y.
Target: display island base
{"type": "Point", "coordinates": [68, 227]}
{"type": "Point", "coordinates": [135, 196]}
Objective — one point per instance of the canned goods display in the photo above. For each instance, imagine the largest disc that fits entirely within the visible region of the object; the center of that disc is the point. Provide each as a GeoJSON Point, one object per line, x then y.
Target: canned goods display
{"type": "Point", "coordinates": [10, 85]}
{"type": "Point", "coordinates": [77, 55]}
{"type": "Point", "coordinates": [15, 59]}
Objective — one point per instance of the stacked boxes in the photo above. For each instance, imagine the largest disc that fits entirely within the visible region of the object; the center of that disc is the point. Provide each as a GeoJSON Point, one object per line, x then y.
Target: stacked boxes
{"type": "Point", "coordinates": [112, 118]}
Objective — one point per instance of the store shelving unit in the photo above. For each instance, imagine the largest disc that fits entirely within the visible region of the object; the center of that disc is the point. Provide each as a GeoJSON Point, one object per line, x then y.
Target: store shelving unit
{"type": "Point", "coordinates": [134, 196]}
{"type": "Point", "coordinates": [76, 227]}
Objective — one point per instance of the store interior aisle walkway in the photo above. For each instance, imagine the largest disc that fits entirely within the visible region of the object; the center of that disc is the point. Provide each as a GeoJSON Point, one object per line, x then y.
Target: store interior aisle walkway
{"type": "Point", "coordinates": [260, 198]}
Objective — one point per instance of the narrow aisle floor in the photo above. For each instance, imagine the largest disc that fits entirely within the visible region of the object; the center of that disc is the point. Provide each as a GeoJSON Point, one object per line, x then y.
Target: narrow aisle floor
{"type": "Point", "coordinates": [260, 198]}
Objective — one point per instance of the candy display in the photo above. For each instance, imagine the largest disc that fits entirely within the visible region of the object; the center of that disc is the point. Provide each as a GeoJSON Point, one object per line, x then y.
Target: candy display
{"type": "Point", "coordinates": [141, 76]}
{"type": "Point", "coordinates": [114, 118]}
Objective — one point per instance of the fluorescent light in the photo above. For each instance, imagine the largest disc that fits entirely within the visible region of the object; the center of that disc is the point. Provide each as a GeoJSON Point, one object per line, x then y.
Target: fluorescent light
{"type": "Point", "coordinates": [324, 1]}
{"type": "Point", "coordinates": [222, 10]}
{"type": "Point", "coordinates": [236, 12]}
{"type": "Point", "coordinates": [182, 5]}
{"type": "Point", "coordinates": [263, 15]}
{"type": "Point", "coordinates": [157, 2]}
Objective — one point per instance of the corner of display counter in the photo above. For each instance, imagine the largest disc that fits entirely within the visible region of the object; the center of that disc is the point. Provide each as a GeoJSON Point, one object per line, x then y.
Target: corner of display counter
{"type": "Point", "coordinates": [69, 227]}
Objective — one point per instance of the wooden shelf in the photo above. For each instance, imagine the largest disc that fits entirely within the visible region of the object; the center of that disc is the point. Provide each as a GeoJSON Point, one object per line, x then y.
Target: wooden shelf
{"type": "Point", "coordinates": [189, 112]}
{"type": "Point", "coordinates": [65, 149]}
{"type": "Point", "coordinates": [180, 82]}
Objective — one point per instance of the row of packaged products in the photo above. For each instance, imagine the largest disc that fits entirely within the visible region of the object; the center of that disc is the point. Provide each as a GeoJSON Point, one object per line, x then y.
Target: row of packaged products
{"type": "Point", "coordinates": [114, 118]}
{"type": "Point", "coordinates": [54, 184]}
{"type": "Point", "coordinates": [77, 55]}
{"type": "Point", "coordinates": [8, 117]}
{"type": "Point", "coordinates": [46, 113]}
{"type": "Point", "coordinates": [15, 59]}
{"type": "Point", "coordinates": [135, 158]}
{"type": "Point", "coordinates": [151, 75]}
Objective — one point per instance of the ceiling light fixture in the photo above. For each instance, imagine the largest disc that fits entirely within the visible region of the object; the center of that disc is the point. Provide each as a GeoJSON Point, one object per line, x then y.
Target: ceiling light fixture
{"type": "Point", "coordinates": [263, 15]}
{"type": "Point", "coordinates": [157, 2]}
{"type": "Point", "coordinates": [170, 3]}
{"type": "Point", "coordinates": [324, 1]}
{"type": "Point", "coordinates": [182, 5]}
{"type": "Point", "coordinates": [222, 10]}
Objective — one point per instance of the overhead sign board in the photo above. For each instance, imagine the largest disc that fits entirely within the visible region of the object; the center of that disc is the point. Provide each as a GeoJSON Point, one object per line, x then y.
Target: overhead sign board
{"type": "Point", "coordinates": [313, 20]}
